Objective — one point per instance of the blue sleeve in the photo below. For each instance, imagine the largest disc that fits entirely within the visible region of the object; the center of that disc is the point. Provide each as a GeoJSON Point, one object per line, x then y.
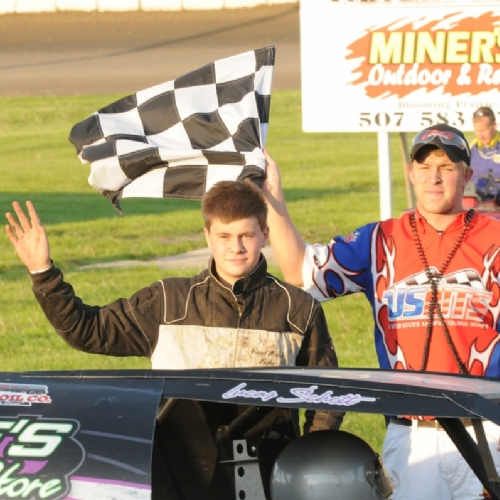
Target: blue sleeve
{"type": "Point", "coordinates": [342, 267]}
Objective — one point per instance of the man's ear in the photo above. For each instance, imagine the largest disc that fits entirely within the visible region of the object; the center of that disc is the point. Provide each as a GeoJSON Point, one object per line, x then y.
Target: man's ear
{"type": "Point", "coordinates": [206, 232]}
{"type": "Point", "coordinates": [409, 171]}
{"type": "Point", "coordinates": [468, 174]}
{"type": "Point", "coordinates": [266, 236]}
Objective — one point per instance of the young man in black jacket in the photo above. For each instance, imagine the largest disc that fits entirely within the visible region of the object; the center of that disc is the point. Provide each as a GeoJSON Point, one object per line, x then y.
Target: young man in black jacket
{"type": "Point", "coordinates": [233, 314]}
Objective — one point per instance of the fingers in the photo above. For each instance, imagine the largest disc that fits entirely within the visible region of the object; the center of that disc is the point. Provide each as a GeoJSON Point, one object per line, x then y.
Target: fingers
{"type": "Point", "coordinates": [28, 237]}
{"type": "Point", "coordinates": [10, 234]}
{"type": "Point", "coordinates": [33, 214]}
{"type": "Point", "coordinates": [268, 157]}
{"type": "Point", "coordinates": [272, 170]}
{"type": "Point", "coordinates": [17, 227]}
{"type": "Point", "coordinates": [13, 228]}
{"type": "Point", "coordinates": [24, 221]}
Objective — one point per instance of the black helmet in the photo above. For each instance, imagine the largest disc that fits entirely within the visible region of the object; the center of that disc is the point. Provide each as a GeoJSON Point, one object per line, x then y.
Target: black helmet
{"type": "Point", "coordinates": [328, 465]}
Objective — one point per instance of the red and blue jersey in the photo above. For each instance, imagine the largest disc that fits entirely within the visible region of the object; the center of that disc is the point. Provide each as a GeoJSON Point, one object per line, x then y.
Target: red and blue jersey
{"type": "Point", "coordinates": [382, 261]}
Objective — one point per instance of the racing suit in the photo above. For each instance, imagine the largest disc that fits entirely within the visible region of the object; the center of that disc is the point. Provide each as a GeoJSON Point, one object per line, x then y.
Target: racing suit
{"type": "Point", "coordinates": [485, 157]}
{"type": "Point", "coordinates": [382, 261]}
{"type": "Point", "coordinates": [197, 322]}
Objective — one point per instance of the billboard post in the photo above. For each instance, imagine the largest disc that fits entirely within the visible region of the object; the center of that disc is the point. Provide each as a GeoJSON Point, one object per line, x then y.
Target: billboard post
{"type": "Point", "coordinates": [384, 175]}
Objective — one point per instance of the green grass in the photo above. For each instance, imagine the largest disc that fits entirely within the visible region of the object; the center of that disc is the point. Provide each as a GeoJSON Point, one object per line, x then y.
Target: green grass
{"type": "Point", "coordinates": [330, 182]}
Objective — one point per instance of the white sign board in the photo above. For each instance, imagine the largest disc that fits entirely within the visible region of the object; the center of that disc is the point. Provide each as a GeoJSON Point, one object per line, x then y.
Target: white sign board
{"type": "Point", "coordinates": [397, 67]}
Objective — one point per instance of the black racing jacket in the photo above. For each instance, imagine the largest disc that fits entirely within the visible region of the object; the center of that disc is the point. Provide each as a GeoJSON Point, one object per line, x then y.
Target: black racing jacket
{"type": "Point", "coordinates": [197, 322]}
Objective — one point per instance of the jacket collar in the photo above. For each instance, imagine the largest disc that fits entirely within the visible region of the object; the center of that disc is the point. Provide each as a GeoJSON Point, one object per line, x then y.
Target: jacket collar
{"type": "Point", "coordinates": [491, 144]}
{"type": "Point", "coordinates": [248, 284]}
{"type": "Point", "coordinates": [424, 227]}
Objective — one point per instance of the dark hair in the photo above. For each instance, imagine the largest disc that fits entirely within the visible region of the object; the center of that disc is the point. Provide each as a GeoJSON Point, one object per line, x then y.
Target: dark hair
{"type": "Point", "coordinates": [230, 201]}
{"type": "Point", "coordinates": [422, 154]}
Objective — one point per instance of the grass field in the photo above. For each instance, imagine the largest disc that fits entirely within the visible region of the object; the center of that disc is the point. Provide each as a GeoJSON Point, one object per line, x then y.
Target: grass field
{"type": "Point", "coordinates": [330, 182]}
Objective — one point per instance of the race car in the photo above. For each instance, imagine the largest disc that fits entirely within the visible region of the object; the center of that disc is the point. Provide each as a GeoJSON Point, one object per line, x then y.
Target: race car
{"type": "Point", "coordinates": [218, 434]}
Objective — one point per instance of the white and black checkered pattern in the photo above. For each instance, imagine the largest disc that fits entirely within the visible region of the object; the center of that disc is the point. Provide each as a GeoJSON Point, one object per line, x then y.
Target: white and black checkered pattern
{"type": "Point", "coordinates": [177, 139]}
{"type": "Point", "coordinates": [465, 277]}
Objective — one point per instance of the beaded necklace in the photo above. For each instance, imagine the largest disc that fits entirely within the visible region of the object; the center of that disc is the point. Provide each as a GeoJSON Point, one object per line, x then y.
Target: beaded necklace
{"type": "Point", "coordinates": [434, 279]}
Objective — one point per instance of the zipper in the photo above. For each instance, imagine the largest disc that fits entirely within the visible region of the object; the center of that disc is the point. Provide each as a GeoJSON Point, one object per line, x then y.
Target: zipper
{"type": "Point", "coordinates": [240, 310]}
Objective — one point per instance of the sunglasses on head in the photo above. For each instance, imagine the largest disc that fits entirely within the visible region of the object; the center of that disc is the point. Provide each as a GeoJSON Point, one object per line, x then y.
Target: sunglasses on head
{"type": "Point", "coordinates": [428, 136]}
{"type": "Point", "coordinates": [483, 112]}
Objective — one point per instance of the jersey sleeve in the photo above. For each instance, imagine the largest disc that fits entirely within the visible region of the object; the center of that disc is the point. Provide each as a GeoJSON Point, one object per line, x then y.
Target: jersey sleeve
{"type": "Point", "coordinates": [340, 268]}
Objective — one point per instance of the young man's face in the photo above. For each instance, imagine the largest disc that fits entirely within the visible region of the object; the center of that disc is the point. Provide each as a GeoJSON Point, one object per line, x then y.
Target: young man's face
{"type": "Point", "coordinates": [484, 130]}
{"type": "Point", "coordinates": [439, 184]}
{"type": "Point", "coordinates": [236, 246]}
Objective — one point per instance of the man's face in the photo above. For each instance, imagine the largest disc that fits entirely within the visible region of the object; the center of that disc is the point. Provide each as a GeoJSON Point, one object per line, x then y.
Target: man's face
{"type": "Point", "coordinates": [236, 246]}
{"type": "Point", "coordinates": [484, 130]}
{"type": "Point", "coordinates": [439, 184]}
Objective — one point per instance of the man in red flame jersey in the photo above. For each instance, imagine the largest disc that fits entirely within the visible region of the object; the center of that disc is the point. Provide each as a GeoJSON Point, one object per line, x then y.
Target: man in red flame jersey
{"type": "Point", "coordinates": [432, 279]}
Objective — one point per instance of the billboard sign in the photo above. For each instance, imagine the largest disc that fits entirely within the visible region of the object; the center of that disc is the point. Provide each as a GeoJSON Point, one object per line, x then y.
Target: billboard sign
{"type": "Point", "coordinates": [397, 67]}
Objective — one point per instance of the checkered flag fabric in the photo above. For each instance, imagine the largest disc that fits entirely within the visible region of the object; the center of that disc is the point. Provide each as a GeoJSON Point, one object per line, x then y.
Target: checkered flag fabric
{"type": "Point", "coordinates": [177, 139]}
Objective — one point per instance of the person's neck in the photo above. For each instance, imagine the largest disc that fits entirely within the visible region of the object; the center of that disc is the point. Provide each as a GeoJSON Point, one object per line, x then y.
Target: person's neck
{"type": "Point", "coordinates": [439, 221]}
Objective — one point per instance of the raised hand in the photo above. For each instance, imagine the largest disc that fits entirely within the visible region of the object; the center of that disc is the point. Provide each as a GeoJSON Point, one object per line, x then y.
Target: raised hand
{"type": "Point", "coordinates": [287, 244]}
{"type": "Point", "coordinates": [28, 237]}
{"type": "Point", "coordinates": [272, 185]}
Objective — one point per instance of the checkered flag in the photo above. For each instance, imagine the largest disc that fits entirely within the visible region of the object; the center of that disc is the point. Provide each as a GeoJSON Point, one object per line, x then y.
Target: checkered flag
{"type": "Point", "coordinates": [177, 139]}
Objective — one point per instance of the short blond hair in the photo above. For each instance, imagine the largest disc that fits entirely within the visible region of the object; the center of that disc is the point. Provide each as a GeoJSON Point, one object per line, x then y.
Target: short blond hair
{"type": "Point", "coordinates": [484, 111]}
